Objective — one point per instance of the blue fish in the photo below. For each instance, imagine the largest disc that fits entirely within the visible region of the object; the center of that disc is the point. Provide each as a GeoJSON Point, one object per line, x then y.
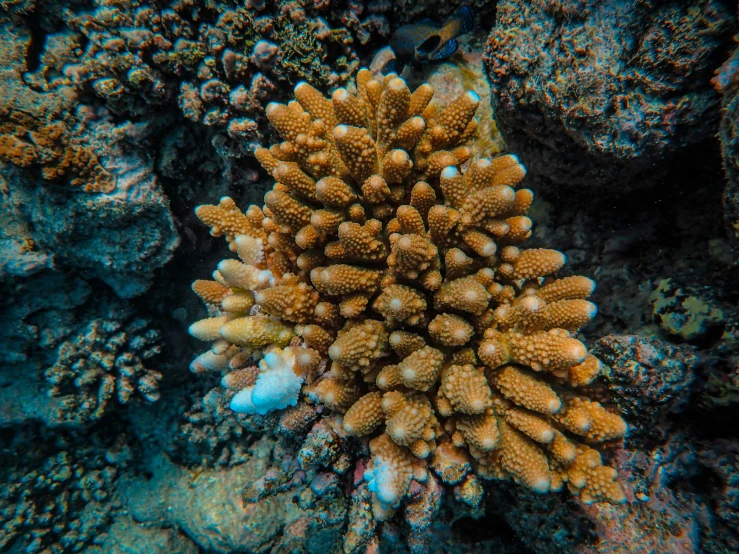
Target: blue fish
{"type": "Point", "coordinates": [429, 41]}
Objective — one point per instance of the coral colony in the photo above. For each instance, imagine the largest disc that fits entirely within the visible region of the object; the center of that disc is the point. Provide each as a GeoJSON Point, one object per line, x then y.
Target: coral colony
{"type": "Point", "coordinates": [385, 279]}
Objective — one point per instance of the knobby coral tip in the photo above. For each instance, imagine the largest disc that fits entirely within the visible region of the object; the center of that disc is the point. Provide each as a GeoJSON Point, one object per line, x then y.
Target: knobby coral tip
{"type": "Point", "coordinates": [418, 122]}
{"type": "Point", "coordinates": [449, 172]}
{"type": "Point", "coordinates": [489, 249]}
{"type": "Point", "coordinates": [396, 84]}
{"type": "Point", "coordinates": [554, 406]}
{"type": "Point", "coordinates": [340, 95]}
{"type": "Point", "coordinates": [542, 486]}
{"type": "Point", "coordinates": [400, 156]}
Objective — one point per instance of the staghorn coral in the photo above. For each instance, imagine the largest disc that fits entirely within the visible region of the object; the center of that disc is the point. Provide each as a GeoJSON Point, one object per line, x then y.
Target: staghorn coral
{"type": "Point", "coordinates": [412, 306]}
{"type": "Point", "coordinates": [102, 363]}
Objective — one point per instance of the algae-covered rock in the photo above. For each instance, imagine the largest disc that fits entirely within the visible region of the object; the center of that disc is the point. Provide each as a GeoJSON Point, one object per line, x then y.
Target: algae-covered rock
{"type": "Point", "coordinates": [208, 506]}
{"type": "Point", "coordinates": [685, 312]}
{"type": "Point", "coordinates": [205, 504]}
{"type": "Point", "coordinates": [648, 379]}
{"type": "Point", "coordinates": [596, 94]}
{"type": "Point", "coordinates": [77, 188]}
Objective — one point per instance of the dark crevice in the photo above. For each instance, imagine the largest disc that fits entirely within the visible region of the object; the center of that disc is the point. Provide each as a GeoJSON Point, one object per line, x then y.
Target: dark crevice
{"type": "Point", "coordinates": [35, 45]}
{"type": "Point", "coordinates": [491, 526]}
{"type": "Point", "coordinates": [705, 423]}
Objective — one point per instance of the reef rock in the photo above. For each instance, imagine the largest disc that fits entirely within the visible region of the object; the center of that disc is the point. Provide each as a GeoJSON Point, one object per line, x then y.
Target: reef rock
{"type": "Point", "coordinates": [128, 537]}
{"type": "Point", "coordinates": [120, 237]}
{"type": "Point", "coordinates": [208, 507]}
{"type": "Point", "coordinates": [593, 94]}
{"type": "Point", "coordinates": [82, 184]}
{"type": "Point", "coordinates": [726, 82]}
{"type": "Point", "coordinates": [650, 380]}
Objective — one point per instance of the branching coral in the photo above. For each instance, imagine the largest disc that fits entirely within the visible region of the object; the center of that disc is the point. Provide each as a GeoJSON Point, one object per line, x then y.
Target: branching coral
{"type": "Point", "coordinates": [392, 282]}
{"type": "Point", "coordinates": [135, 49]}
{"type": "Point", "coordinates": [217, 61]}
{"type": "Point", "coordinates": [103, 363]}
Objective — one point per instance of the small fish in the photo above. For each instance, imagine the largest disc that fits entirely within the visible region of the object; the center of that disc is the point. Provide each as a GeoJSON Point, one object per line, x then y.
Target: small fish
{"type": "Point", "coordinates": [427, 41]}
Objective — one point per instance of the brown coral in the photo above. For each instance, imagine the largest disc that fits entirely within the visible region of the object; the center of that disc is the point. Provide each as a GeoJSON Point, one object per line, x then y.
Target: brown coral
{"type": "Point", "coordinates": [436, 326]}
{"type": "Point", "coordinates": [26, 142]}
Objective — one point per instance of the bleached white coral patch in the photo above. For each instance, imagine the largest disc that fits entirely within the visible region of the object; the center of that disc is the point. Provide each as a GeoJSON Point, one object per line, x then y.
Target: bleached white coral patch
{"type": "Point", "coordinates": [381, 480]}
{"type": "Point", "coordinates": [277, 386]}
{"type": "Point", "coordinates": [250, 249]}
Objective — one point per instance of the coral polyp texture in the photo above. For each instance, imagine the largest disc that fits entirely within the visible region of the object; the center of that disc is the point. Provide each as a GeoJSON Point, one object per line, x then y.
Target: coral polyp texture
{"type": "Point", "coordinates": [384, 278]}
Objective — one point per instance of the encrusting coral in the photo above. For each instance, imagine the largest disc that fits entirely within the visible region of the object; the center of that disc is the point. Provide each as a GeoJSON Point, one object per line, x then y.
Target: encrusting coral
{"type": "Point", "coordinates": [25, 142]}
{"type": "Point", "coordinates": [388, 283]}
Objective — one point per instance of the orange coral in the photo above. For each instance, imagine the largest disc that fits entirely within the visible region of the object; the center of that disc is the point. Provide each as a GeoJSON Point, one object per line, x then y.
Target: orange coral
{"type": "Point", "coordinates": [410, 421]}
{"type": "Point", "coordinates": [26, 142]}
{"type": "Point", "coordinates": [211, 292]}
{"type": "Point", "coordinates": [226, 219]}
{"type": "Point", "coordinates": [406, 272]}
{"type": "Point", "coordinates": [420, 369]}
{"type": "Point", "coordinates": [365, 416]}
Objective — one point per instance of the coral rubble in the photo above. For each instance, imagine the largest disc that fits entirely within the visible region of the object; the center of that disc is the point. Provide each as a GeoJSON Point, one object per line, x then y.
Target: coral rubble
{"type": "Point", "coordinates": [388, 282]}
